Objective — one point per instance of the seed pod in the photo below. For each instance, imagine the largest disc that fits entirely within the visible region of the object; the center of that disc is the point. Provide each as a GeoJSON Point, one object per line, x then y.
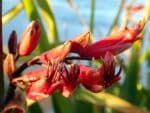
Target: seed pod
{"type": "Point", "coordinates": [30, 38]}
{"type": "Point", "coordinates": [12, 43]}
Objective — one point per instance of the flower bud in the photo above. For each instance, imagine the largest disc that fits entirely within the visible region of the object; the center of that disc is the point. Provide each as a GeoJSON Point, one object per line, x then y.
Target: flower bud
{"type": "Point", "coordinates": [30, 38]}
{"type": "Point", "coordinates": [9, 65]}
{"type": "Point", "coordinates": [12, 43]}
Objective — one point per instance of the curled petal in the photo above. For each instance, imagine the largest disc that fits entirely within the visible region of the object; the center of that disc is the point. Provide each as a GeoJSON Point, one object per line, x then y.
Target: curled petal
{"type": "Point", "coordinates": [91, 78]}
{"type": "Point", "coordinates": [96, 80]}
{"type": "Point", "coordinates": [41, 89]}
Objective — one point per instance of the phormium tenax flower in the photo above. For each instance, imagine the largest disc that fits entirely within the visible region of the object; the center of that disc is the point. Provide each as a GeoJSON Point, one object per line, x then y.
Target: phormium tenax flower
{"type": "Point", "coordinates": [58, 72]}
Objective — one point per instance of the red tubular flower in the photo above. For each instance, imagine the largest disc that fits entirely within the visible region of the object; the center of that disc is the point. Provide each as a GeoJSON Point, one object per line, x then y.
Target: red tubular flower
{"type": "Point", "coordinates": [38, 83]}
{"type": "Point", "coordinates": [61, 51]}
{"type": "Point", "coordinates": [96, 80]}
{"type": "Point", "coordinates": [41, 83]}
{"type": "Point", "coordinates": [30, 38]}
{"type": "Point", "coordinates": [116, 43]}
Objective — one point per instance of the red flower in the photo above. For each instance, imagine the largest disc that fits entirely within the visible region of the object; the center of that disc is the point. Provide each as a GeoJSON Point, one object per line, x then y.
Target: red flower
{"type": "Point", "coordinates": [116, 43]}
{"type": "Point", "coordinates": [96, 80]}
{"type": "Point", "coordinates": [56, 54]}
{"type": "Point", "coordinates": [61, 51]}
{"type": "Point", "coordinates": [42, 82]}
{"type": "Point", "coordinates": [39, 83]}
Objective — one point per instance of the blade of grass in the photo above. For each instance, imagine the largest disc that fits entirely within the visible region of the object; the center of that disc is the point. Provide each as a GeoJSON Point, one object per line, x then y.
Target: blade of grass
{"type": "Point", "coordinates": [8, 16]}
{"type": "Point", "coordinates": [33, 14]}
{"type": "Point", "coordinates": [48, 16]}
{"type": "Point", "coordinates": [35, 108]}
{"type": "Point", "coordinates": [129, 89]}
{"type": "Point", "coordinates": [61, 104]}
{"type": "Point", "coordinates": [92, 15]}
{"type": "Point", "coordinates": [116, 20]}
{"type": "Point", "coordinates": [84, 107]}
{"type": "Point", "coordinates": [105, 99]}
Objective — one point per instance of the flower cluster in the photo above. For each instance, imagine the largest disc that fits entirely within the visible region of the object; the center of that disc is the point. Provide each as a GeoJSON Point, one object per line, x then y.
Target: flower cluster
{"type": "Point", "coordinates": [58, 72]}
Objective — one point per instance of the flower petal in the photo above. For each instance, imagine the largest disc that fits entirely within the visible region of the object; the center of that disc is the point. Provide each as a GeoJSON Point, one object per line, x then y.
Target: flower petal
{"type": "Point", "coordinates": [58, 53]}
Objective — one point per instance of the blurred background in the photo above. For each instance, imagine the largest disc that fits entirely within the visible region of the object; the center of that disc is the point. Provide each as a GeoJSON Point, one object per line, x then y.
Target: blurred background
{"type": "Point", "coordinates": [65, 19]}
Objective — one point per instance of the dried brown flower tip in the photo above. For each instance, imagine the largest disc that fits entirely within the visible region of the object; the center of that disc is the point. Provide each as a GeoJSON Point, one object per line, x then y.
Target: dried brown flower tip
{"type": "Point", "coordinates": [12, 43]}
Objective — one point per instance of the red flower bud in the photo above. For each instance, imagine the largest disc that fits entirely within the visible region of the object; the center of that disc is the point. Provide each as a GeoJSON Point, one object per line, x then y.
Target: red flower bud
{"type": "Point", "coordinates": [96, 80]}
{"type": "Point", "coordinates": [30, 38]}
{"type": "Point", "coordinates": [9, 65]}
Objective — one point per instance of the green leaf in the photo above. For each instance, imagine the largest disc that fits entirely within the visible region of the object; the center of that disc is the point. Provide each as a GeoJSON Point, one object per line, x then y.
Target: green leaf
{"type": "Point", "coordinates": [92, 15]}
{"type": "Point", "coordinates": [129, 90]}
{"type": "Point", "coordinates": [61, 104]}
{"type": "Point", "coordinates": [48, 16]}
{"type": "Point", "coordinates": [106, 99]}
{"type": "Point", "coordinates": [35, 108]}
{"type": "Point", "coordinates": [84, 107]}
{"type": "Point", "coordinates": [33, 14]}
{"type": "Point", "coordinates": [8, 16]}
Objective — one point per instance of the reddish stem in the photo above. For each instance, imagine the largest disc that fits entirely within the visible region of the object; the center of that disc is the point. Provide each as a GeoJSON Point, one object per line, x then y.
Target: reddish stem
{"type": "Point", "coordinates": [1, 60]}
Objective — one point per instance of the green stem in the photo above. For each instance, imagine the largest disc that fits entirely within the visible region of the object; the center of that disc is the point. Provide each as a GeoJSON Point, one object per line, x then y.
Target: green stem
{"type": "Point", "coordinates": [92, 15]}
{"type": "Point", "coordinates": [116, 20]}
{"type": "Point", "coordinates": [8, 16]}
{"type": "Point", "coordinates": [147, 10]}
{"type": "Point", "coordinates": [1, 60]}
